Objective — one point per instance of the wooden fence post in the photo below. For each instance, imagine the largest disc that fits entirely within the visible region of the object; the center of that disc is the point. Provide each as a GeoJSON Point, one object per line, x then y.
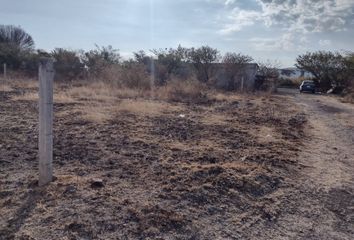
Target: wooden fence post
{"type": "Point", "coordinates": [46, 76]}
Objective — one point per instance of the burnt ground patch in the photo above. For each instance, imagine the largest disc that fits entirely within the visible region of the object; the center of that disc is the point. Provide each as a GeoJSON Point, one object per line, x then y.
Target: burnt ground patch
{"type": "Point", "coordinates": [164, 176]}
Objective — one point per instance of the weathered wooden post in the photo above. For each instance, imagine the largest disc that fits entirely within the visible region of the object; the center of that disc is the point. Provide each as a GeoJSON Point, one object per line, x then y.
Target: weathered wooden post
{"type": "Point", "coordinates": [5, 73]}
{"type": "Point", "coordinates": [46, 76]}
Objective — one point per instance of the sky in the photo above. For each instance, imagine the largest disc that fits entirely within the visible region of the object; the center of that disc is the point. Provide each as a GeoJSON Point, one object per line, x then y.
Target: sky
{"type": "Point", "coordinates": [278, 30]}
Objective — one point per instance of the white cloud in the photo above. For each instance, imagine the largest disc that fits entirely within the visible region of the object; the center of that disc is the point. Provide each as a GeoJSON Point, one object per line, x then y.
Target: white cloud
{"type": "Point", "coordinates": [229, 2]}
{"type": "Point", "coordinates": [239, 19]}
{"type": "Point", "coordinates": [287, 42]}
{"type": "Point", "coordinates": [294, 15]}
{"type": "Point", "coordinates": [325, 42]}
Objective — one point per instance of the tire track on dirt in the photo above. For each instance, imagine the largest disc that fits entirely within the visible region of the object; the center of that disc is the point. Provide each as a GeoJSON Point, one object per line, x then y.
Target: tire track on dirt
{"type": "Point", "coordinates": [320, 206]}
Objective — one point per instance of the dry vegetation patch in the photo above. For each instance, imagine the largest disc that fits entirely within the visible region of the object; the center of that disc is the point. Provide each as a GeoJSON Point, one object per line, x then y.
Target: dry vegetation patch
{"type": "Point", "coordinates": [5, 87]}
{"type": "Point", "coordinates": [169, 170]}
{"type": "Point", "coordinates": [100, 112]}
{"type": "Point", "coordinates": [184, 91]}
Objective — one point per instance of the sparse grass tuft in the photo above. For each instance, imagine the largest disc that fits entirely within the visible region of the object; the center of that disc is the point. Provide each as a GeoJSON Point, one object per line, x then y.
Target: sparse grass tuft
{"type": "Point", "coordinates": [62, 97]}
{"type": "Point", "coordinates": [101, 91]}
{"type": "Point", "coordinates": [5, 87]}
{"type": "Point", "coordinates": [101, 112]}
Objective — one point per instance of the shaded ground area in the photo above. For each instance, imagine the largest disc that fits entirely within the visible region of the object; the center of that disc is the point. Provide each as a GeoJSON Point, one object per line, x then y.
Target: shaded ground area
{"type": "Point", "coordinates": [224, 169]}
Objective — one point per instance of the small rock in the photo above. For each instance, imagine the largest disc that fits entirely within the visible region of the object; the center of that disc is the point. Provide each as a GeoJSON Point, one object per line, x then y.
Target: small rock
{"type": "Point", "coordinates": [70, 189]}
{"type": "Point", "coordinates": [97, 183]}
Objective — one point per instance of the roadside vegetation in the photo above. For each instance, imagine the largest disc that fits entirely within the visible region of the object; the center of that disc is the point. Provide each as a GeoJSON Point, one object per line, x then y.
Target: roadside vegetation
{"type": "Point", "coordinates": [162, 67]}
{"type": "Point", "coordinates": [330, 69]}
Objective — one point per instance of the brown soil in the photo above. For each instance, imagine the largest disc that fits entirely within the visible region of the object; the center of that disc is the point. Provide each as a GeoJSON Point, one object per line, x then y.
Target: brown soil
{"type": "Point", "coordinates": [221, 169]}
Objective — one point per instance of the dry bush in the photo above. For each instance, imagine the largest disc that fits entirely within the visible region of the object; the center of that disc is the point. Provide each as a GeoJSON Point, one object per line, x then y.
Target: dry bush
{"type": "Point", "coordinates": [134, 76]}
{"type": "Point", "coordinates": [183, 91]}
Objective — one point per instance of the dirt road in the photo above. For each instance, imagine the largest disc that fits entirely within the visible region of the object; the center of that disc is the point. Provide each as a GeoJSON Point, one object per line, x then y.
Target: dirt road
{"type": "Point", "coordinates": [321, 204]}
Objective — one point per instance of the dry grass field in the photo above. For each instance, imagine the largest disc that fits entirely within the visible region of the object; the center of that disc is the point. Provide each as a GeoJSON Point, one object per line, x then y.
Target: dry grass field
{"type": "Point", "coordinates": [216, 168]}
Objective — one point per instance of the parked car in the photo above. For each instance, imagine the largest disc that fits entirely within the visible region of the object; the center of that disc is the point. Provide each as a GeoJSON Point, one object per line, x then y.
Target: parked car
{"type": "Point", "coordinates": [308, 86]}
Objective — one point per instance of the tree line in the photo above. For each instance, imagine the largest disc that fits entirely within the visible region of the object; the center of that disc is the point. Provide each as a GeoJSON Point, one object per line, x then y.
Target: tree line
{"type": "Point", "coordinates": [330, 69]}
{"type": "Point", "coordinates": [17, 50]}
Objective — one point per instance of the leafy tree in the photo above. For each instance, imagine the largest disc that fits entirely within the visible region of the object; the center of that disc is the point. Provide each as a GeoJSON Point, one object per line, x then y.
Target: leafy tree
{"type": "Point", "coordinates": [234, 64]}
{"type": "Point", "coordinates": [30, 61]}
{"type": "Point", "coordinates": [98, 59]}
{"type": "Point", "coordinates": [10, 55]}
{"type": "Point", "coordinates": [329, 68]}
{"type": "Point", "coordinates": [287, 72]}
{"type": "Point", "coordinates": [203, 59]}
{"type": "Point", "coordinates": [15, 45]}
{"type": "Point", "coordinates": [170, 61]}
{"type": "Point", "coordinates": [349, 62]}
{"type": "Point", "coordinates": [171, 58]}
{"type": "Point", "coordinates": [16, 37]}
{"type": "Point", "coordinates": [141, 57]}
{"type": "Point", "coordinates": [268, 70]}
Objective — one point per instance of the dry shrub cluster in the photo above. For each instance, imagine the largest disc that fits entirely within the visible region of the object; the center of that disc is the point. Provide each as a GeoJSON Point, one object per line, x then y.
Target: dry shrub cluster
{"type": "Point", "coordinates": [178, 90]}
{"type": "Point", "coordinates": [134, 80]}
{"type": "Point", "coordinates": [132, 76]}
{"type": "Point", "coordinates": [140, 80]}
{"type": "Point", "coordinates": [129, 81]}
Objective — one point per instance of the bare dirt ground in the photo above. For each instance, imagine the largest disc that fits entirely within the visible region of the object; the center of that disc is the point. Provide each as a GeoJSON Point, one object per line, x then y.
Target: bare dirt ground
{"type": "Point", "coordinates": [230, 167]}
{"type": "Point", "coordinates": [321, 204]}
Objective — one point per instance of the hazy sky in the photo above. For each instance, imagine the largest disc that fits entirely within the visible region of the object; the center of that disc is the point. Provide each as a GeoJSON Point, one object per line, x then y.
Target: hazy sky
{"type": "Point", "coordinates": [264, 29]}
